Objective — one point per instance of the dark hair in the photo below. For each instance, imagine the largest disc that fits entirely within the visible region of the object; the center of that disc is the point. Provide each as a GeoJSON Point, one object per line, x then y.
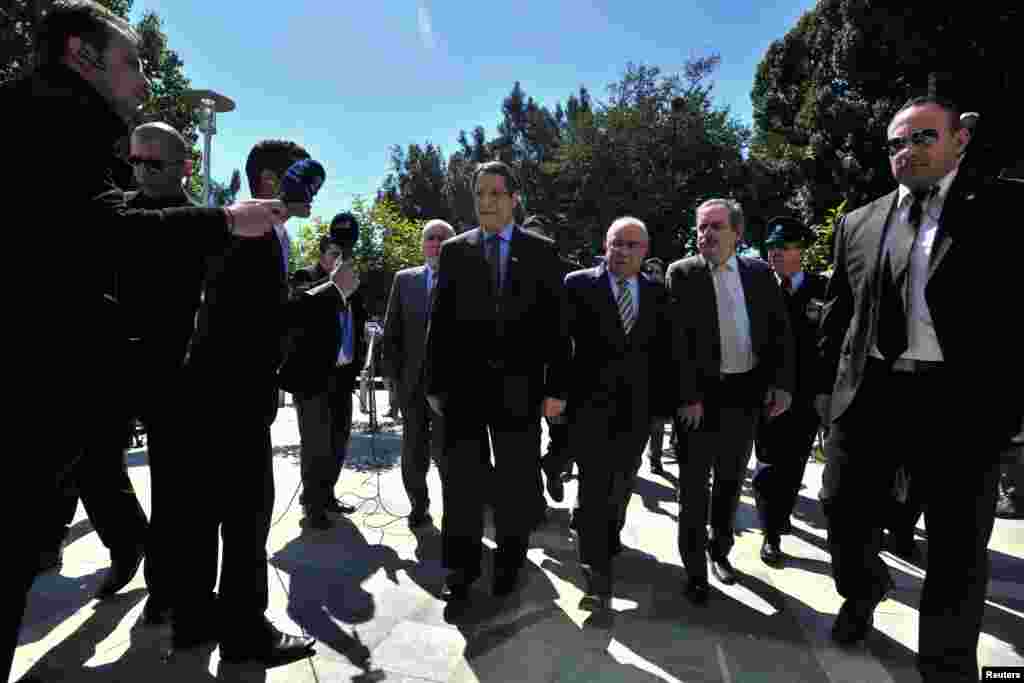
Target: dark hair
{"type": "Point", "coordinates": [343, 236]}
{"type": "Point", "coordinates": [271, 155]}
{"type": "Point", "coordinates": [91, 22]}
{"type": "Point", "coordinates": [946, 104]}
{"type": "Point", "coordinates": [497, 168]}
{"type": "Point", "coordinates": [325, 244]}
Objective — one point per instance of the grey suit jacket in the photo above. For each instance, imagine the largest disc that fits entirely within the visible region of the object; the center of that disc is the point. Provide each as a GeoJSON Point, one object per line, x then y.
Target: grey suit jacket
{"type": "Point", "coordinates": [405, 330]}
{"type": "Point", "coordinates": [971, 293]}
{"type": "Point", "coordinates": [693, 295]}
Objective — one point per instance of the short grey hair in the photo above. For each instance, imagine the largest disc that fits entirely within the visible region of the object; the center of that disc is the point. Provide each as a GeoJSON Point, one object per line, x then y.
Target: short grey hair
{"type": "Point", "coordinates": [435, 222]}
{"type": "Point", "coordinates": [736, 219]}
{"type": "Point", "coordinates": [623, 221]}
{"type": "Point", "coordinates": [164, 135]}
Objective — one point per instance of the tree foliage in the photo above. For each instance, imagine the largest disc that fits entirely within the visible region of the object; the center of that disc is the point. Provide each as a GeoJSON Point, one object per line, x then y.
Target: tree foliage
{"type": "Point", "coordinates": [824, 94]}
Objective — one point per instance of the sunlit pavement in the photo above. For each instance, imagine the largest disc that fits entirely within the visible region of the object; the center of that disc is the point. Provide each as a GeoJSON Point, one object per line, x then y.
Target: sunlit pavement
{"type": "Point", "coordinates": [367, 590]}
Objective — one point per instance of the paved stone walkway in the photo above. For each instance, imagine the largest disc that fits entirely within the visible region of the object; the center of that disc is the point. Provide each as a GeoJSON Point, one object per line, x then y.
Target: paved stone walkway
{"type": "Point", "coordinates": [368, 590]}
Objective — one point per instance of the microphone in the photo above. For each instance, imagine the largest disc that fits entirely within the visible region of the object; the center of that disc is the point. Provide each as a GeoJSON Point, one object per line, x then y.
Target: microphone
{"type": "Point", "coordinates": [302, 181]}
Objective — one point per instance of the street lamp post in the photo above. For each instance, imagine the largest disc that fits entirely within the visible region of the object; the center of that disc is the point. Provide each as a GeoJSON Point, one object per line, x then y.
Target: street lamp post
{"type": "Point", "coordinates": [209, 103]}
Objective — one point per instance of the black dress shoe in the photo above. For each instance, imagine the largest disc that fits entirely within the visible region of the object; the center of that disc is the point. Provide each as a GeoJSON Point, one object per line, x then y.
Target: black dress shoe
{"type": "Point", "coordinates": [456, 588]}
{"type": "Point", "coordinates": [420, 518]}
{"type": "Point", "coordinates": [282, 648]}
{"type": "Point", "coordinates": [854, 621]}
{"type": "Point", "coordinates": [338, 508]}
{"type": "Point", "coordinates": [697, 591]}
{"type": "Point", "coordinates": [723, 570]}
{"type": "Point", "coordinates": [771, 553]}
{"type": "Point", "coordinates": [122, 570]}
{"type": "Point", "coordinates": [555, 487]}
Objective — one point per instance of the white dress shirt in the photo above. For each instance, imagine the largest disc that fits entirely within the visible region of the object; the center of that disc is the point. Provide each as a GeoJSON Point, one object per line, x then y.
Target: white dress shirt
{"type": "Point", "coordinates": [733, 320]}
{"type": "Point", "coordinates": [922, 342]}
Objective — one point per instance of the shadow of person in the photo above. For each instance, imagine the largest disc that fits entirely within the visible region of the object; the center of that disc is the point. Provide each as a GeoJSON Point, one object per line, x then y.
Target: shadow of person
{"type": "Point", "coordinates": [53, 597]}
{"type": "Point", "coordinates": [135, 656]}
{"type": "Point", "coordinates": [527, 636]}
{"type": "Point", "coordinates": [653, 493]}
{"type": "Point", "coordinates": [327, 572]}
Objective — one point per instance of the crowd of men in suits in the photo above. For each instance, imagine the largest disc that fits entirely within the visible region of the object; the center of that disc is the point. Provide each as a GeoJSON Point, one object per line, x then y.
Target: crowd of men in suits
{"type": "Point", "coordinates": [493, 333]}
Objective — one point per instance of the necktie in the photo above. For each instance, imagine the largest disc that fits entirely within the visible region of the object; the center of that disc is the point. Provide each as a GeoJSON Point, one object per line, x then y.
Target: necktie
{"type": "Point", "coordinates": [787, 284]}
{"type": "Point", "coordinates": [895, 284]}
{"type": "Point", "coordinates": [430, 299]}
{"type": "Point", "coordinates": [625, 303]}
{"type": "Point", "coordinates": [493, 255]}
{"type": "Point", "coordinates": [285, 243]}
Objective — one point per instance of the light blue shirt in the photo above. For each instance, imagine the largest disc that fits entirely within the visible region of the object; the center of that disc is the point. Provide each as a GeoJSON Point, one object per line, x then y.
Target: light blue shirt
{"type": "Point", "coordinates": [633, 284]}
{"type": "Point", "coordinates": [795, 280]}
{"type": "Point", "coordinates": [345, 353]}
{"type": "Point", "coordinates": [503, 248]}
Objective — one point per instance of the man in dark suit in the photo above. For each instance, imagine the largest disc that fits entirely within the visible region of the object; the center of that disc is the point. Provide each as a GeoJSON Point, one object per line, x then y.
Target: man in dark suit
{"type": "Point", "coordinates": [404, 344]}
{"type": "Point", "coordinates": [622, 374]}
{"type": "Point", "coordinates": [496, 328]}
{"type": "Point", "coordinates": [324, 406]}
{"type": "Point", "coordinates": [784, 443]}
{"type": "Point", "coordinates": [912, 334]}
{"type": "Point", "coordinates": [243, 324]}
{"type": "Point", "coordinates": [740, 350]}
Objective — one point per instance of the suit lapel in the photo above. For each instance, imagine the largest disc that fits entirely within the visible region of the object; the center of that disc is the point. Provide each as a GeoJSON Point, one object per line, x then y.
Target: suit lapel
{"type": "Point", "coordinates": [702, 277]}
{"type": "Point", "coordinates": [515, 246]}
{"type": "Point", "coordinates": [960, 199]}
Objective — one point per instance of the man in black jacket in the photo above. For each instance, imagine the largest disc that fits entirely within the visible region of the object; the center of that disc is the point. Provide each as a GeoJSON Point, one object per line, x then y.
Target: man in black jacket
{"type": "Point", "coordinates": [324, 403]}
{"type": "Point", "coordinates": [242, 329]}
{"type": "Point", "coordinates": [784, 443]}
{"type": "Point", "coordinates": [70, 114]}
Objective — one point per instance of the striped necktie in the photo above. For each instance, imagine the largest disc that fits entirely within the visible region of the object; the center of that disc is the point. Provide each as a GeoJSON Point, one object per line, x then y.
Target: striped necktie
{"type": "Point", "coordinates": [625, 304]}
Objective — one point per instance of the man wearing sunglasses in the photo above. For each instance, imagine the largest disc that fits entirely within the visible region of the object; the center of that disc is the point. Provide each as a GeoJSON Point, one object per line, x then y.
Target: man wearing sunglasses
{"type": "Point", "coordinates": [68, 114]}
{"type": "Point", "coordinates": [918, 368]}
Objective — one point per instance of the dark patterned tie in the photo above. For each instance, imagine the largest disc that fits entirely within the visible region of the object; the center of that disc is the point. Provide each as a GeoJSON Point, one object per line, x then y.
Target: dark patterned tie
{"type": "Point", "coordinates": [787, 284]}
{"type": "Point", "coordinates": [492, 252]}
{"type": "Point", "coordinates": [625, 303]}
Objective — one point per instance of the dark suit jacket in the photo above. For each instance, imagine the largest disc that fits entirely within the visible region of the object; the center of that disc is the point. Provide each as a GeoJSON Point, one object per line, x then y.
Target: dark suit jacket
{"type": "Point", "coordinates": [636, 376]}
{"type": "Point", "coordinates": [405, 330]}
{"type": "Point", "coordinates": [971, 293]}
{"type": "Point", "coordinates": [804, 309]}
{"type": "Point", "coordinates": [693, 293]}
{"type": "Point", "coordinates": [315, 340]}
{"type": "Point", "coordinates": [306, 278]}
{"type": "Point", "coordinates": [523, 331]}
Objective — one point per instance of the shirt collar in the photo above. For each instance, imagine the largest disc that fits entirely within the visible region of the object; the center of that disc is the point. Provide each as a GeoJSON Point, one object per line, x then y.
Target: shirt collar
{"type": "Point", "coordinates": [795, 280]}
{"type": "Point", "coordinates": [505, 233]}
{"type": "Point", "coordinates": [943, 186]}
{"type": "Point", "coordinates": [730, 264]}
{"type": "Point", "coordinates": [615, 278]}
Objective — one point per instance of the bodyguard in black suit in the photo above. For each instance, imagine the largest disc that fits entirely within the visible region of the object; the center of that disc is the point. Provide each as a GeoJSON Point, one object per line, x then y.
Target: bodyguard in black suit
{"type": "Point", "coordinates": [923, 368]}
{"type": "Point", "coordinates": [622, 374]}
{"type": "Point", "coordinates": [784, 443]}
{"type": "Point", "coordinates": [323, 389]}
{"type": "Point", "coordinates": [740, 358]}
{"type": "Point", "coordinates": [405, 344]}
{"type": "Point", "coordinates": [496, 327]}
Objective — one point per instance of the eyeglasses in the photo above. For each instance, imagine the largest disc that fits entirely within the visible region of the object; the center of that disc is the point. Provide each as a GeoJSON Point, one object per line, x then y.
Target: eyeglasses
{"type": "Point", "coordinates": [154, 165]}
{"type": "Point", "coordinates": [925, 136]}
{"type": "Point", "coordinates": [623, 244]}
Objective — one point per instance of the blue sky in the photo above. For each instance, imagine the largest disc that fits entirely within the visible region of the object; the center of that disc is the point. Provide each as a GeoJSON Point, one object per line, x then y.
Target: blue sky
{"type": "Point", "coordinates": [349, 79]}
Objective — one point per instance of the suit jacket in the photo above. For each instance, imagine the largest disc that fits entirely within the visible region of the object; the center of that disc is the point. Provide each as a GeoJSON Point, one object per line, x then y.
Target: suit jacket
{"type": "Point", "coordinates": [522, 331]}
{"type": "Point", "coordinates": [315, 340]}
{"type": "Point", "coordinates": [971, 294]}
{"type": "Point", "coordinates": [693, 293]}
{"type": "Point", "coordinates": [639, 374]}
{"type": "Point", "coordinates": [304, 279]}
{"type": "Point", "coordinates": [405, 330]}
{"type": "Point", "coordinates": [804, 309]}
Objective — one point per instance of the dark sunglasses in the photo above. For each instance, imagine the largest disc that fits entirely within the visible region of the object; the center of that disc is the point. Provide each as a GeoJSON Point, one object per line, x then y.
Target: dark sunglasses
{"type": "Point", "coordinates": [155, 165]}
{"type": "Point", "coordinates": [925, 136]}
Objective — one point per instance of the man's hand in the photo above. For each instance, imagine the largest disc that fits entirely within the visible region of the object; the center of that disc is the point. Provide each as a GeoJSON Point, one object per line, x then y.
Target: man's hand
{"type": "Point", "coordinates": [436, 404]}
{"type": "Point", "coordinates": [345, 277]}
{"type": "Point", "coordinates": [823, 404]}
{"type": "Point", "coordinates": [256, 217]}
{"type": "Point", "coordinates": [691, 415]}
{"type": "Point", "coordinates": [776, 402]}
{"type": "Point", "coordinates": [553, 407]}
